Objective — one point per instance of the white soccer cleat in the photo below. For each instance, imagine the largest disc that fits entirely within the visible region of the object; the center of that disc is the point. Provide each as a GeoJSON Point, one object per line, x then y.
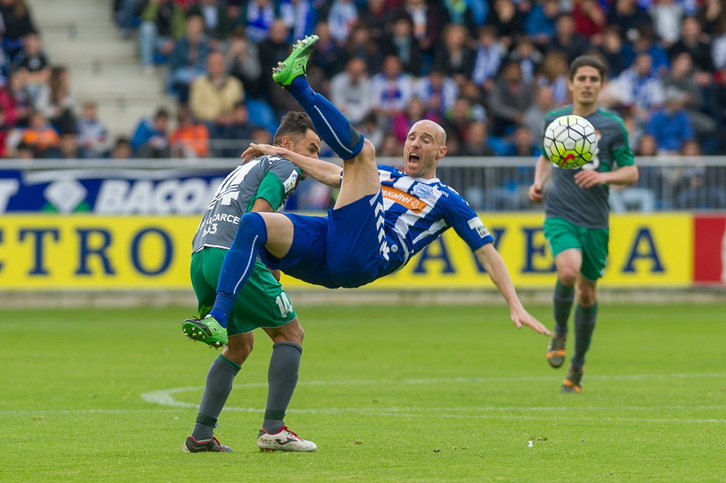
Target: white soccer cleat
{"type": "Point", "coordinates": [283, 440]}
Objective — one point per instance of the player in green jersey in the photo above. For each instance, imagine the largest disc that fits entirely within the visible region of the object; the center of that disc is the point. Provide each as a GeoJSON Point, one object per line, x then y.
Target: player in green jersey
{"type": "Point", "coordinates": [263, 184]}
{"type": "Point", "coordinates": [576, 215]}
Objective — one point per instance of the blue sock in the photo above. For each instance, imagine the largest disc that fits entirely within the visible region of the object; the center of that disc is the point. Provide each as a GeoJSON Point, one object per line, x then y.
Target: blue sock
{"type": "Point", "coordinates": [331, 124]}
{"type": "Point", "coordinates": [239, 262]}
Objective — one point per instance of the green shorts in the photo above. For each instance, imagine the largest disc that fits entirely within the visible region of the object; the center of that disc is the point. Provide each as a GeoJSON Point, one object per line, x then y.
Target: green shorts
{"type": "Point", "coordinates": [261, 303]}
{"type": "Point", "coordinates": [592, 243]}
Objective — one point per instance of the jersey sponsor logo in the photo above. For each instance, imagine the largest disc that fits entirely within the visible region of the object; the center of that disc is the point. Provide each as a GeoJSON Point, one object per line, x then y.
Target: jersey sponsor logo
{"type": "Point", "coordinates": [402, 198]}
{"type": "Point", "coordinates": [424, 191]}
{"type": "Point", "coordinates": [291, 182]}
{"type": "Point", "coordinates": [478, 225]}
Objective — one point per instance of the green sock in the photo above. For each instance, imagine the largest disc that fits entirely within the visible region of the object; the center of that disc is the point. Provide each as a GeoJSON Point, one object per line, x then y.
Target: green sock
{"type": "Point", "coordinates": [562, 305]}
{"type": "Point", "coordinates": [585, 319]}
{"type": "Point", "coordinates": [219, 384]}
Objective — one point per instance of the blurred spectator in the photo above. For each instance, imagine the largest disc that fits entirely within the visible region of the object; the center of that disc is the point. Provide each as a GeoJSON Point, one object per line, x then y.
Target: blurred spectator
{"type": "Point", "coordinates": [710, 15]}
{"type": "Point", "coordinates": [694, 189]}
{"type": "Point", "coordinates": [508, 21]}
{"type": "Point", "coordinates": [40, 136]}
{"type": "Point", "coordinates": [189, 58]}
{"type": "Point", "coordinates": [566, 40]}
{"type": "Point", "coordinates": [391, 89]}
{"type": "Point", "coordinates": [212, 97]}
{"type": "Point", "coordinates": [475, 98]}
{"type": "Point", "coordinates": [190, 138]}
{"type": "Point", "coordinates": [629, 16]}
{"type": "Point", "coordinates": [614, 51]}
{"type": "Point", "coordinates": [92, 134]}
{"type": "Point", "coordinates": [645, 41]}
{"type": "Point", "coordinates": [647, 145]}
{"type": "Point", "coordinates": [243, 62]}
{"type": "Point", "coordinates": [300, 16]}
{"type": "Point", "coordinates": [376, 17]}
{"type": "Point", "coordinates": [392, 147]}
{"type": "Point", "coordinates": [458, 12]}
{"type": "Point", "coordinates": [260, 135]}
{"type": "Point", "coordinates": [372, 131]}
{"type": "Point", "coordinates": [361, 45]}
{"type": "Point", "coordinates": [68, 147]}
{"type": "Point", "coordinates": [150, 139]}
{"type": "Point", "coordinates": [540, 23]}
{"type": "Point", "coordinates": [454, 56]}
{"type": "Point", "coordinates": [61, 103]}
{"type": "Point", "coordinates": [637, 88]}
{"type": "Point", "coordinates": [509, 100]}
{"type": "Point", "coordinates": [682, 78]}
{"type": "Point", "coordinates": [719, 46]}
{"type": "Point", "coordinates": [343, 14]}
{"type": "Point", "coordinates": [426, 21]}
{"type": "Point", "coordinates": [671, 125]}
{"type": "Point", "coordinates": [14, 100]}
{"type": "Point", "coordinates": [667, 15]}
{"type": "Point", "coordinates": [590, 19]}
{"type": "Point", "coordinates": [274, 49]}
{"type": "Point", "coordinates": [534, 117]}
{"type": "Point", "coordinates": [121, 149]}
{"type": "Point", "coordinates": [329, 57]}
{"type": "Point", "coordinates": [350, 91]}
{"type": "Point", "coordinates": [257, 19]}
{"type": "Point", "coordinates": [24, 151]}
{"type": "Point", "coordinates": [554, 73]}
{"type": "Point", "coordinates": [522, 143]}
{"type": "Point", "coordinates": [236, 135]}
{"type": "Point", "coordinates": [127, 15]}
{"type": "Point", "coordinates": [402, 44]}
{"type": "Point", "coordinates": [694, 42]}
{"type": "Point", "coordinates": [528, 57]}
{"type": "Point", "coordinates": [217, 25]}
{"type": "Point", "coordinates": [476, 142]}
{"type": "Point", "coordinates": [437, 91]}
{"type": "Point", "coordinates": [488, 58]}
{"type": "Point", "coordinates": [162, 24]}
{"type": "Point", "coordinates": [459, 118]}
{"type": "Point", "coordinates": [414, 112]}
{"type": "Point", "coordinates": [17, 22]}
{"type": "Point", "coordinates": [33, 64]}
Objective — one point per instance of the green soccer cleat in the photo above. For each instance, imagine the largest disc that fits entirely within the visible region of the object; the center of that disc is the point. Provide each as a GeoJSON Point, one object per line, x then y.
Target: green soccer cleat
{"type": "Point", "coordinates": [296, 64]}
{"type": "Point", "coordinates": [206, 330]}
{"type": "Point", "coordinates": [573, 381]}
{"type": "Point", "coordinates": [556, 350]}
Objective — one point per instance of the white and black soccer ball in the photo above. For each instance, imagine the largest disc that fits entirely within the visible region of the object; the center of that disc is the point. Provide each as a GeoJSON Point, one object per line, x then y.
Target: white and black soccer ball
{"type": "Point", "coordinates": [570, 141]}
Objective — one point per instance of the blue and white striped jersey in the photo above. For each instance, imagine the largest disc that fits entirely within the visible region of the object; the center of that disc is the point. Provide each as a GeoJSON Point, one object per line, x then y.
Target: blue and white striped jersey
{"type": "Point", "coordinates": [419, 210]}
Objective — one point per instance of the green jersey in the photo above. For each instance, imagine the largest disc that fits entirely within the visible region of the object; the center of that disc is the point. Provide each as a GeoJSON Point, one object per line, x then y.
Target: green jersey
{"type": "Point", "coordinates": [589, 207]}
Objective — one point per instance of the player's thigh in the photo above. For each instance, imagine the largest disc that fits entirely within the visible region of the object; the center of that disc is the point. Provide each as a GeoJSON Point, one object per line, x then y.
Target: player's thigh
{"type": "Point", "coordinates": [262, 302]}
{"type": "Point", "coordinates": [595, 253]}
{"type": "Point", "coordinates": [204, 273]}
{"type": "Point", "coordinates": [360, 176]}
{"type": "Point", "coordinates": [280, 231]}
{"type": "Point", "coordinates": [290, 332]}
{"type": "Point", "coordinates": [566, 246]}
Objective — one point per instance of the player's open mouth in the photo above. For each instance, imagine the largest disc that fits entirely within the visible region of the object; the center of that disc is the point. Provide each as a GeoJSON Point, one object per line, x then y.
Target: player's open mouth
{"type": "Point", "coordinates": [414, 158]}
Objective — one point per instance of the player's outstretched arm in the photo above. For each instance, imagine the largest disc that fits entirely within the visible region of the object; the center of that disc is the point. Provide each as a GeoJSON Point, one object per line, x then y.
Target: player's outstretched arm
{"type": "Point", "coordinates": [322, 171]}
{"type": "Point", "coordinates": [497, 270]}
{"type": "Point", "coordinates": [542, 172]}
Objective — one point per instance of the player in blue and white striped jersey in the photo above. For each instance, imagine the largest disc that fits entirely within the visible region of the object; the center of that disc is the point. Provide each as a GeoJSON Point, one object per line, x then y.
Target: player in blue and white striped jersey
{"type": "Point", "coordinates": [381, 218]}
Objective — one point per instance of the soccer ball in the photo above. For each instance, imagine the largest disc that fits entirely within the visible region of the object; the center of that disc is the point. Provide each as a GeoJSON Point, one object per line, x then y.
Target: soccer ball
{"type": "Point", "coordinates": [570, 141]}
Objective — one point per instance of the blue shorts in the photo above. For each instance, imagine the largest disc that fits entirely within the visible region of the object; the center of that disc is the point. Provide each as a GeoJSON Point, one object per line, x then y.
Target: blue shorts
{"type": "Point", "coordinates": [347, 248]}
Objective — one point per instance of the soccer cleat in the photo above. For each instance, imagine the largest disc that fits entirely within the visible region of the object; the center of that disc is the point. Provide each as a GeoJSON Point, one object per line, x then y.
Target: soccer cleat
{"type": "Point", "coordinates": [556, 350]}
{"type": "Point", "coordinates": [283, 440]}
{"type": "Point", "coordinates": [206, 330]}
{"type": "Point", "coordinates": [573, 381]}
{"type": "Point", "coordinates": [296, 64]}
{"type": "Point", "coordinates": [191, 445]}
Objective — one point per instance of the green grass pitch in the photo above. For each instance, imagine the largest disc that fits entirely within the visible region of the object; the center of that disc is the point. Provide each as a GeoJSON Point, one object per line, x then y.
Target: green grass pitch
{"type": "Point", "coordinates": [418, 394]}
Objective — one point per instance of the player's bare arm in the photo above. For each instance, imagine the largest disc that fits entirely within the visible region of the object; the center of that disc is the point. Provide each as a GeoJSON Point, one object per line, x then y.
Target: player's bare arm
{"type": "Point", "coordinates": [542, 173]}
{"type": "Point", "coordinates": [322, 171]}
{"type": "Point", "coordinates": [492, 261]}
{"type": "Point", "coordinates": [625, 175]}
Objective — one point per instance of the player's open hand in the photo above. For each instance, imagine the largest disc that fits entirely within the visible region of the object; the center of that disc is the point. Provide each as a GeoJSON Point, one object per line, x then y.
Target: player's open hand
{"type": "Point", "coordinates": [522, 317]}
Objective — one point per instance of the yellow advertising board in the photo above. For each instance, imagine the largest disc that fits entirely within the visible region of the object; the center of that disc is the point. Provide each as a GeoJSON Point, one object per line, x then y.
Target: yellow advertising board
{"type": "Point", "coordinates": [86, 252]}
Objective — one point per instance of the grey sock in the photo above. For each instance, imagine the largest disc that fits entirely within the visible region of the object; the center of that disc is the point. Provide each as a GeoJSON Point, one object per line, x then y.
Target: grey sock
{"type": "Point", "coordinates": [563, 298]}
{"type": "Point", "coordinates": [585, 319]}
{"type": "Point", "coordinates": [219, 384]}
{"type": "Point", "coordinates": [281, 379]}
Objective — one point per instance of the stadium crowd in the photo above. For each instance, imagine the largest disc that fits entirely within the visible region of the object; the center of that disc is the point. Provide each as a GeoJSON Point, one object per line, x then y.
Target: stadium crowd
{"type": "Point", "coordinates": [488, 70]}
